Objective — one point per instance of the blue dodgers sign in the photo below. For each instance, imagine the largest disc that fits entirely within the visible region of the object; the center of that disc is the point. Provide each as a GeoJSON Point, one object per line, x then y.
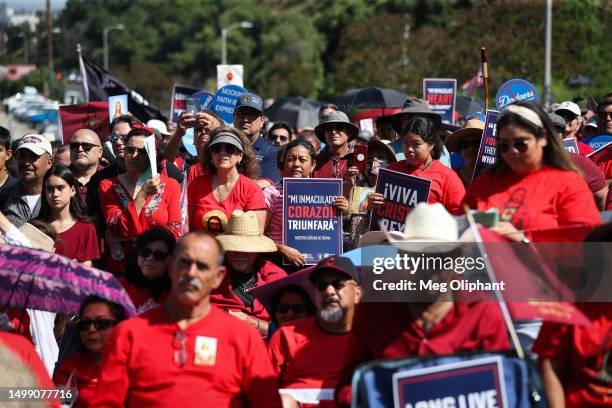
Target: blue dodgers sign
{"type": "Point", "coordinates": [310, 223]}
{"type": "Point", "coordinates": [476, 383]}
{"type": "Point", "coordinates": [487, 152]}
{"type": "Point", "coordinates": [440, 94]}
{"type": "Point", "coordinates": [224, 101]}
{"type": "Point", "coordinates": [571, 145]}
{"type": "Point", "coordinates": [515, 90]}
{"type": "Point", "coordinates": [402, 192]}
{"type": "Point", "coordinates": [205, 98]}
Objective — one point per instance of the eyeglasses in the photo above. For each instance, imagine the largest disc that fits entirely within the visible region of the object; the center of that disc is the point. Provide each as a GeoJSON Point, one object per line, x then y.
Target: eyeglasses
{"type": "Point", "coordinates": [521, 145]}
{"type": "Point", "coordinates": [180, 345]}
{"type": "Point", "coordinates": [281, 138]}
{"type": "Point", "coordinates": [605, 114]}
{"type": "Point", "coordinates": [297, 308]}
{"type": "Point", "coordinates": [334, 128]}
{"type": "Point", "coordinates": [132, 149]}
{"type": "Point", "coordinates": [115, 138]}
{"type": "Point", "coordinates": [338, 284]}
{"type": "Point", "coordinates": [475, 144]}
{"type": "Point", "coordinates": [159, 256]}
{"type": "Point", "coordinates": [102, 324]}
{"type": "Point", "coordinates": [85, 146]}
{"type": "Point", "coordinates": [228, 148]}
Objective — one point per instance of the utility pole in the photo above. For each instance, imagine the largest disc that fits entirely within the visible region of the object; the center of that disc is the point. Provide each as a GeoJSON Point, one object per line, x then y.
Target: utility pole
{"type": "Point", "coordinates": [547, 55]}
{"type": "Point", "coordinates": [50, 47]}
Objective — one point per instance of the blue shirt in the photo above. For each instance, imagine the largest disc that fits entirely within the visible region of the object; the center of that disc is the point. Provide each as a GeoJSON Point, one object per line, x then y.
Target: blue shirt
{"type": "Point", "coordinates": [265, 154]}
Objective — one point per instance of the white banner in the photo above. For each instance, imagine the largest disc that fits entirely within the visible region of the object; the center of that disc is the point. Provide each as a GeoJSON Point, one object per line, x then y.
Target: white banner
{"type": "Point", "coordinates": [230, 75]}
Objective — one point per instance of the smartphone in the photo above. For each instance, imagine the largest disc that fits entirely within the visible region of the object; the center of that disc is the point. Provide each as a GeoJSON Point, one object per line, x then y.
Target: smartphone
{"type": "Point", "coordinates": [360, 158]}
{"type": "Point", "coordinates": [489, 218]}
{"type": "Point", "coordinates": [192, 105]}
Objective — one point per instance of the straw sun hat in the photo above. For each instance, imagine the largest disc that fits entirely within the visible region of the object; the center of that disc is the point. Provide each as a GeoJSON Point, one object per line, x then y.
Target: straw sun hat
{"type": "Point", "coordinates": [243, 234]}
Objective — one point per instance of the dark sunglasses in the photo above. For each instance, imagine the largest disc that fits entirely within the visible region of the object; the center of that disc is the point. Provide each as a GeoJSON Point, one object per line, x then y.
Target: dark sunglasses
{"type": "Point", "coordinates": [282, 138]}
{"type": "Point", "coordinates": [297, 308]}
{"type": "Point", "coordinates": [228, 148]}
{"type": "Point", "coordinates": [605, 114]}
{"type": "Point", "coordinates": [116, 138]}
{"type": "Point", "coordinates": [131, 150]}
{"type": "Point", "coordinates": [159, 256]}
{"type": "Point", "coordinates": [521, 145]}
{"type": "Point", "coordinates": [332, 127]}
{"type": "Point", "coordinates": [102, 324]}
{"type": "Point", "coordinates": [322, 285]}
{"type": "Point", "coordinates": [467, 145]}
{"type": "Point", "coordinates": [85, 146]}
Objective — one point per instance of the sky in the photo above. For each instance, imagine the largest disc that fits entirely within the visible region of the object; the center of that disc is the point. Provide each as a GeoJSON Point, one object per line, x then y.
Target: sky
{"type": "Point", "coordinates": [34, 4]}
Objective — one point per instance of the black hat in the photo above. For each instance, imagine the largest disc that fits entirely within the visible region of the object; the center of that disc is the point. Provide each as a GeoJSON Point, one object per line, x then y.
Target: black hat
{"type": "Point", "coordinates": [335, 263]}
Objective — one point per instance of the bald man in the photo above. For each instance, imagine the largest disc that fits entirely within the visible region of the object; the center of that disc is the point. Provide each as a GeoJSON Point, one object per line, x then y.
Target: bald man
{"type": "Point", "coordinates": [85, 155]}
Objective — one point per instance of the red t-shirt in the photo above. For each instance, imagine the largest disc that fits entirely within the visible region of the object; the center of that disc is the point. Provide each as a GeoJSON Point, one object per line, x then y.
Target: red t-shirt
{"type": "Point", "coordinates": [446, 186]}
{"type": "Point", "coordinates": [142, 298]}
{"type": "Point", "coordinates": [388, 330]}
{"type": "Point", "coordinates": [79, 242]}
{"type": "Point", "coordinates": [225, 364]}
{"type": "Point", "coordinates": [581, 350]}
{"type": "Point", "coordinates": [24, 351]}
{"type": "Point", "coordinates": [162, 209]}
{"type": "Point", "coordinates": [86, 375]}
{"type": "Point", "coordinates": [592, 174]}
{"type": "Point", "coordinates": [544, 199]}
{"type": "Point", "coordinates": [208, 214]}
{"type": "Point", "coordinates": [306, 357]}
{"type": "Point", "coordinates": [225, 298]}
{"type": "Point", "coordinates": [196, 170]}
{"type": "Point", "coordinates": [583, 148]}
{"type": "Point", "coordinates": [328, 168]}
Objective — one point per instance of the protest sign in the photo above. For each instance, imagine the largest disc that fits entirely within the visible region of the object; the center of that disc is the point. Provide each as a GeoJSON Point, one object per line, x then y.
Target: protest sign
{"type": "Point", "coordinates": [571, 145]}
{"type": "Point", "coordinates": [440, 94]}
{"type": "Point", "coordinates": [402, 192]}
{"type": "Point", "coordinates": [152, 154]}
{"type": "Point", "coordinates": [602, 154]}
{"type": "Point", "coordinates": [310, 223]}
{"type": "Point", "coordinates": [473, 383]}
{"type": "Point", "coordinates": [205, 98]}
{"type": "Point", "coordinates": [515, 90]}
{"type": "Point", "coordinates": [180, 93]}
{"type": "Point", "coordinates": [225, 100]}
{"type": "Point", "coordinates": [230, 75]}
{"type": "Point", "coordinates": [89, 115]}
{"type": "Point", "coordinates": [487, 152]}
{"type": "Point", "coordinates": [117, 106]}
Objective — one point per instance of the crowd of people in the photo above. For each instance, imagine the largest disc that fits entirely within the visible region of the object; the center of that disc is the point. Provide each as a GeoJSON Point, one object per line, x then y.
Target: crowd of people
{"type": "Point", "coordinates": [190, 238]}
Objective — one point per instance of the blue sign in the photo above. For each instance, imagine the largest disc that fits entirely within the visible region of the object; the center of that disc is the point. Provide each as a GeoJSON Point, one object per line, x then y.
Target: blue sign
{"type": "Point", "coordinates": [571, 145]}
{"type": "Point", "coordinates": [474, 383]}
{"type": "Point", "coordinates": [598, 141]}
{"type": "Point", "coordinates": [310, 223]}
{"type": "Point", "coordinates": [440, 94]}
{"type": "Point", "coordinates": [515, 90]}
{"type": "Point", "coordinates": [225, 100]}
{"type": "Point", "coordinates": [205, 98]}
{"type": "Point", "coordinates": [402, 192]}
{"type": "Point", "coordinates": [487, 151]}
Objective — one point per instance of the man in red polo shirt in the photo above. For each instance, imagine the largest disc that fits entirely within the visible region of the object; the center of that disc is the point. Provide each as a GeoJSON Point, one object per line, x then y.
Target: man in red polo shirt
{"type": "Point", "coordinates": [188, 352]}
{"type": "Point", "coordinates": [336, 130]}
{"type": "Point", "coordinates": [308, 354]}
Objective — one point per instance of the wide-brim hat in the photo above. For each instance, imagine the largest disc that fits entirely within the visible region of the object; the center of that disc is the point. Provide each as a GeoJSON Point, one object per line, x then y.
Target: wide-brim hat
{"type": "Point", "coordinates": [429, 228]}
{"type": "Point", "coordinates": [242, 234]}
{"type": "Point", "coordinates": [335, 118]}
{"type": "Point", "coordinates": [377, 144]}
{"type": "Point", "coordinates": [414, 106]}
{"type": "Point", "coordinates": [473, 127]}
{"type": "Point", "coordinates": [37, 238]}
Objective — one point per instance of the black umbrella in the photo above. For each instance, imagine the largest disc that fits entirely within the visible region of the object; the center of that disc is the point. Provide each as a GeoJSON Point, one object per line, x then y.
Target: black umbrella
{"type": "Point", "coordinates": [466, 105]}
{"type": "Point", "coordinates": [297, 111]}
{"type": "Point", "coordinates": [370, 97]}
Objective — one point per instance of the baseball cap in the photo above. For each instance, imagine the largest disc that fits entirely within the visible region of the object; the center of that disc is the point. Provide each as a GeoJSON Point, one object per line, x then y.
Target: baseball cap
{"type": "Point", "coordinates": [335, 263]}
{"type": "Point", "coordinates": [37, 144]}
{"type": "Point", "coordinates": [557, 121]}
{"type": "Point", "coordinates": [250, 100]}
{"type": "Point", "coordinates": [568, 106]}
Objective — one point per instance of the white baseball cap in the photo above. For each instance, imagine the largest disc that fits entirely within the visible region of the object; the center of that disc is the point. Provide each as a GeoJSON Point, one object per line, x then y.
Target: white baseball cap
{"type": "Point", "coordinates": [569, 106]}
{"type": "Point", "coordinates": [35, 143]}
{"type": "Point", "coordinates": [159, 126]}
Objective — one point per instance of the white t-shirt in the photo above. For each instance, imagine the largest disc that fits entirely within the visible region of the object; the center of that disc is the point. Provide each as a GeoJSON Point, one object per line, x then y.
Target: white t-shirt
{"type": "Point", "coordinates": [32, 200]}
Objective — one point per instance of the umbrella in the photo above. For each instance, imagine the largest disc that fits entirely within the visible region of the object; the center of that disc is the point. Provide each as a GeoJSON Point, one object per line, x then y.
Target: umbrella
{"type": "Point", "coordinates": [370, 97]}
{"type": "Point", "coordinates": [50, 282]}
{"type": "Point", "coordinates": [298, 111]}
{"type": "Point", "coordinates": [466, 105]}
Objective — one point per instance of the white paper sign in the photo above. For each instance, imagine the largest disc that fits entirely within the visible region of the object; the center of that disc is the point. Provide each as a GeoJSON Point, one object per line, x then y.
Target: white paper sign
{"type": "Point", "coordinates": [230, 75]}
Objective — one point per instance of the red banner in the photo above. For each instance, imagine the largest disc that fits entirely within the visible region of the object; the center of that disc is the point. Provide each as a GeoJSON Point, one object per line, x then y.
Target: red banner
{"type": "Point", "coordinates": [89, 115]}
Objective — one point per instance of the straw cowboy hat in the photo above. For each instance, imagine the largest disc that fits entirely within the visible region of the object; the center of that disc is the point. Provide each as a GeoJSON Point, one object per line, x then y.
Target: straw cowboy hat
{"type": "Point", "coordinates": [473, 127]}
{"type": "Point", "coordinates": [243, 234]}
{"type": "Point", "coordinates": [429, 228]}
{"type": "Point", "coordinates": [37, 238]}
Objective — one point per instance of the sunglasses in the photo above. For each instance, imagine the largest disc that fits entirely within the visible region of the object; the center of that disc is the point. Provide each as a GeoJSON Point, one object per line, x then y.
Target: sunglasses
{"type": "Point", "coordinates": [467, 145]}
{"type": "Point", "coordinates": [297, 308]}
{"type": "Point", "coordinates": [180, 349]}
{"type": "Point", "coordinates": [131, 150]}
{"type": "Point", "coordinates": [282, 138]}
{"type": "Point", "coordinates": [159, 256]}
{"type": "Point", "coordinates": [334, 128]}
{"type": "Point", "coordinates": [116, 138]}
{"type": "Point", "coordinates": [321, 284]}
{"type": "Point", "coordinates": [521, 145]}
{"type": "Point", "coordinates": [85, 146]}
{"type": "Point", "coordinates": [605, 114]}
{"type": "Point", "coordinates": [102, 324]}
{"type": "Point", "coordinates": [228, 148]}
